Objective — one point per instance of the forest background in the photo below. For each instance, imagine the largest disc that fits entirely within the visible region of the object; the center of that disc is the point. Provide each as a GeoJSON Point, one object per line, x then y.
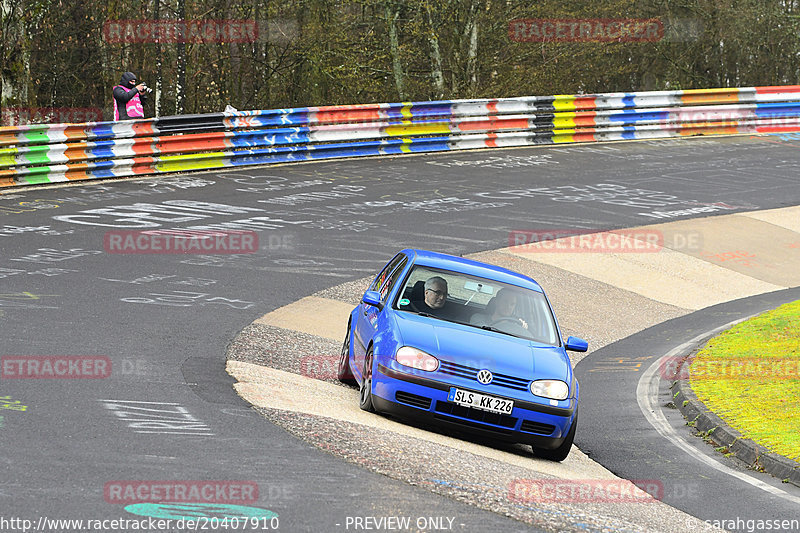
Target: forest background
{"type": "Point", "coordinates": [68, 54]}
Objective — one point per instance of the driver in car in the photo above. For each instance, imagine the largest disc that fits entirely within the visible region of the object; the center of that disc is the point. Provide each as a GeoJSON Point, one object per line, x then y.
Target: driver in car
{"type": "Point", "coordinates": [505, 305]}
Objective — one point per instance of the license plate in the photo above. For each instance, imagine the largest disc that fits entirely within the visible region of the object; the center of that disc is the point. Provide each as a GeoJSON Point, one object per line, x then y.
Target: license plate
{"type": "Point", "coordinates": [480, 401]}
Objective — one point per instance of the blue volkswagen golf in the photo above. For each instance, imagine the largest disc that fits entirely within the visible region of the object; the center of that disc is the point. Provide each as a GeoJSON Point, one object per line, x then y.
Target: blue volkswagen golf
{"type": "Point", "coordinates": [467, 345]}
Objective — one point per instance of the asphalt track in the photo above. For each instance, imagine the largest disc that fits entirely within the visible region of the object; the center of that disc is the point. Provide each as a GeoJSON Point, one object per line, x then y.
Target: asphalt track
{"type": "Point", "coordinates": [630, 447]}
{"type": "Point", "coordinates": [165, 321]}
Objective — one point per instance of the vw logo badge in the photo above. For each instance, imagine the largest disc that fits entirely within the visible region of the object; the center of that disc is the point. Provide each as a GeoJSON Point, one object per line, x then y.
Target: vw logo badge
{"type": "Point", "coordinates": [484, 377]}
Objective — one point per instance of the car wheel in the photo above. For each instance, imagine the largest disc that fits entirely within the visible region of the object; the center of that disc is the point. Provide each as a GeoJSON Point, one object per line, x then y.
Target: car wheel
{"type": "Point", "coordinates": [365, 399]}
{"type": "Point", "coordinates": [344, 374]}
{"type": "Point", "coordinates": [560, 453]}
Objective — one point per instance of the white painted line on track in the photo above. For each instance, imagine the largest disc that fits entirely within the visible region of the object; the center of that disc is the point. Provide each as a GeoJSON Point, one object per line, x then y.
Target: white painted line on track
{"type": "Point", "coordinates": [177, 433]}
{"type": "Point", "coordinates": [136, 401]}
{"type": "Point", "coordinates": [647, 397]}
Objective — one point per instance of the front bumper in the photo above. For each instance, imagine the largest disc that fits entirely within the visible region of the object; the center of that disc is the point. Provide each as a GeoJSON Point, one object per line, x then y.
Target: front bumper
{"type": "Point", "coordinates": [424, 400]}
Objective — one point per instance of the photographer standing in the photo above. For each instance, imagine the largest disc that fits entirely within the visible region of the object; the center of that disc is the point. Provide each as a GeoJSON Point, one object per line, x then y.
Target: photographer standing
{"type": "Point", "coordinates": [129, 97]}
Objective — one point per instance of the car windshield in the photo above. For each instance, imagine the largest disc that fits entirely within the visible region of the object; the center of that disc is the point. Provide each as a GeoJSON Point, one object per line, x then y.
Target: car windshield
{"type": "Point", "coordinates": [479, 302]}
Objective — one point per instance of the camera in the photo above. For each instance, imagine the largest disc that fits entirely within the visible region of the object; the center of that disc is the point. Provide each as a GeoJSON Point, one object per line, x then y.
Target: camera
{"type": "Point", "coordinates": [146, 89]}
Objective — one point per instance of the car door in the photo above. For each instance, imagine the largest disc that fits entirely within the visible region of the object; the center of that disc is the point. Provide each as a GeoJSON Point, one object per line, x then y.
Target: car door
{"type": "Point", "coordinates": [367, 316]}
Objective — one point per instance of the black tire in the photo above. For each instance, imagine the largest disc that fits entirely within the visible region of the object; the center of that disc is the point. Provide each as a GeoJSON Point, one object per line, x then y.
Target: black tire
{"type": "Point", "coordinates": [560, 453]}
{"type": "Point", "coordinates": [344, 374]}
{"type": "Point", "coordinates": [365, 392]}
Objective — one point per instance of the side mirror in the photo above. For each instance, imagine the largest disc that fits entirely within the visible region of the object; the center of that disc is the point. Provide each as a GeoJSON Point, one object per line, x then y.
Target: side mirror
{"type": "Point", "coordinates": [575, 344]}
{"type": "Point", "coordinates": [373, 298]}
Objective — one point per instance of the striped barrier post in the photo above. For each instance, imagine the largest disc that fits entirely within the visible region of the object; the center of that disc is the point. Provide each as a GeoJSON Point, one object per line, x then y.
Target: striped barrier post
{"type": "Point", "coordinates": [48, 153]}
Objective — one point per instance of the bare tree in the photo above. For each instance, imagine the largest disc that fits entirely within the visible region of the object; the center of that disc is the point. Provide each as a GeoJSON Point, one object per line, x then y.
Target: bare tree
{"type": "Point", "coordinates": [436, 55]}
{"type": "Point", "coordinates": [180, 77]}
{"type": "Point", "coordinates": [392, 14]}
{"type": "Point", "coordinates": [353, 51]}
{"type": "Point", "coordinates": [15, 72]}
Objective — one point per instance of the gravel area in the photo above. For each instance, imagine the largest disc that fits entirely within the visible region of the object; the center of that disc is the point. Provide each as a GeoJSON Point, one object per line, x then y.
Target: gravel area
{"type": "Point", "coordinates": [350, 292]}
{"type": "Point", "coordinates": [472, 479]}
{"type": "Point", "coordinates": [294, 351]}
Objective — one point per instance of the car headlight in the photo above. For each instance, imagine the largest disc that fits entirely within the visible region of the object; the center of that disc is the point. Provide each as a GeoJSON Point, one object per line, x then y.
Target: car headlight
{"type": "Point", "coordinates": [550, 388]}
{"type": "Point", "coordinates": [408, 356]}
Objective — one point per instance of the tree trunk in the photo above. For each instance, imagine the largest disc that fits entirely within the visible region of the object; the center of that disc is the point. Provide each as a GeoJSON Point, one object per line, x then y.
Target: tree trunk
{"type": "Point", "coordinates": [157, 99]}
{"type": "Point", "coordinates": [471, 35]}
{"type": "Point", "coordinates": [436, 56]}
{"type": "Point", "coordinates": [180, 86]}
{"type": "Point", "coordinates": [15, 69]}
{"type": "Point", "coordinates": [392, 14]}
{"type": "Point", "coordinates": [237, 80]}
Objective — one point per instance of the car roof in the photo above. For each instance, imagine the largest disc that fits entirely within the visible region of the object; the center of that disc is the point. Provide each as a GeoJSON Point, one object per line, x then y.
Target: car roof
{"type": "Point", "coordinates": [468, 266]}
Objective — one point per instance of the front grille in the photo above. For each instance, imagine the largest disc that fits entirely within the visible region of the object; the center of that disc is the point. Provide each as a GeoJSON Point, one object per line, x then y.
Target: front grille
{"type": "Point", "coordinates": [454, 369]}
{"type": "Point", "coordinates": [528, 426]}
{"type": "Point", "coordinates": [478, 415]}
{"type": "Point", "coordinates": [413, 400]}
{"type": "Point", "coordinates": [468, 372]}
{"type": "Point", "coordinates": [510, 382]}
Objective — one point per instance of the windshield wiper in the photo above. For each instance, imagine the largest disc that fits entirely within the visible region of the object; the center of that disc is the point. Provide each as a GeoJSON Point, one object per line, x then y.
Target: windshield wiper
{"type": "Point", "coordinates": [498, 330]}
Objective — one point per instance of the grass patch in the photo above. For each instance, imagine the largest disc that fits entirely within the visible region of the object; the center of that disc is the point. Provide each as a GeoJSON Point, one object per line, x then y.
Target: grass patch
{"type": "Point", "coordinates": [750, 377]}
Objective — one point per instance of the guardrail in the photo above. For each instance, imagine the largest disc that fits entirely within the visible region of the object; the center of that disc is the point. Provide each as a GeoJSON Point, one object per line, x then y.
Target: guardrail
{"type": "Point", "coordinates": [46, 153]}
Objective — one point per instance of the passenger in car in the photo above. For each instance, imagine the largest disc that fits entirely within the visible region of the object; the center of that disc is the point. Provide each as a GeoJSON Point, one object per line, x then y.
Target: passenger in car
{"type": "Point", "coordinates": [500, 308]}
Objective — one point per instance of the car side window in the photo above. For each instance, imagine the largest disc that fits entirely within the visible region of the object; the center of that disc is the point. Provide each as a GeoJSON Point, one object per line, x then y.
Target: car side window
{"type": "Point", "coordinates": [392, 280]}
{"type": "Point", "coordinates": [388, 269]}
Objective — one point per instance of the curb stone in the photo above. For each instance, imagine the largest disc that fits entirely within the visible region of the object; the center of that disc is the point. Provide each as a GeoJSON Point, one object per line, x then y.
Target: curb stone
{"type": "Point", "coordinates": [717, 431]}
